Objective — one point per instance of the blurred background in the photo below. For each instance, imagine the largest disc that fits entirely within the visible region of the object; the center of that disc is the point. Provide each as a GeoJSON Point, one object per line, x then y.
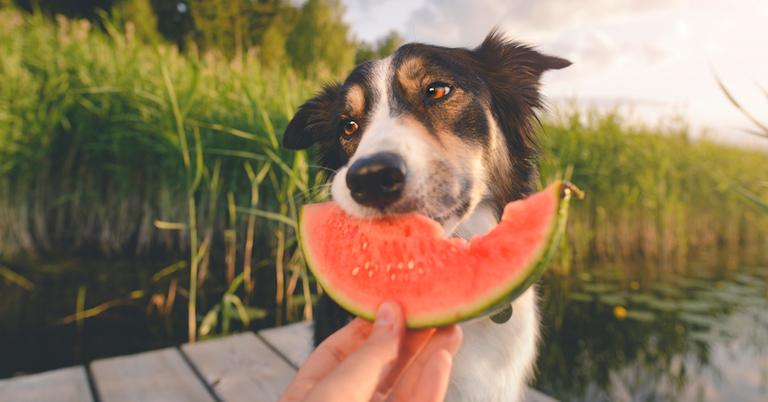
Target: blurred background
{"type": "Point", "coordinates": [145, 201]}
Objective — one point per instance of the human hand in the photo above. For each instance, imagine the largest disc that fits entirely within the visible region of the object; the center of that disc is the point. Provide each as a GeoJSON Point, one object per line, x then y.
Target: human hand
{"type": "Point", "coordinates": [378, 362]}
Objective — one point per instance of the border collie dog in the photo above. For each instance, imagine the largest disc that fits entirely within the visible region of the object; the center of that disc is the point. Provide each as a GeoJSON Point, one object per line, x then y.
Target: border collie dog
{"type": "Point", "coordinates": [448, 133]}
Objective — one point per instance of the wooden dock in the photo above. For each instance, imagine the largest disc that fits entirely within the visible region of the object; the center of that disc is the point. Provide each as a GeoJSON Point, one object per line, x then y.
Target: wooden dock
{"type": "Point", "coordinates": [244, 367]}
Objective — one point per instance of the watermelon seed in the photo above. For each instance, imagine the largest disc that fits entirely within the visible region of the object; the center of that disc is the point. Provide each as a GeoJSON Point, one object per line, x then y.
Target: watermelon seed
{"type": "Point", "coordinates": [393, 277]}
{"type": "Point", "coordinates": [410, 264]}
{"type": "Point", "coordinates": [365, 245]}
{"type": "Point", "coordinates": [420, 271]}
{"type": "Point", "coordinates": [367, 265]}
{"type": "Point", "coordinates": [389, 267]}
{"type": "Point", "coordinates": [400, 265]}
{"type": "Point", "coordinates": [355, 271]}
{"type": "Point", "coordinates": [370, 274]}
{"type": "Point", "coordinates": [453, 249]}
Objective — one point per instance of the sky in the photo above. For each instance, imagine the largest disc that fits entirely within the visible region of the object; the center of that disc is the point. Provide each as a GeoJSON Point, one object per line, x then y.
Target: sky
{"type": "Point", "coordinates": [657, 59]}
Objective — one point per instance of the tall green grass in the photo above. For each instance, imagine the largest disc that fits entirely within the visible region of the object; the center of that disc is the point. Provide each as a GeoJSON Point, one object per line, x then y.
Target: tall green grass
{"type": "Point", "coordinates": [114, 147]}
{"type": "Point", "coordinates": [99, 135]}
{"type": "Point", "coordinates": [652, 192]}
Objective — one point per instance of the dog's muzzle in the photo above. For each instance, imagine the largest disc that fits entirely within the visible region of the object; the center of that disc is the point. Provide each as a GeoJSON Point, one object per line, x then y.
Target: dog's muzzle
{"type": "Point", "coordinates": [377, 180]}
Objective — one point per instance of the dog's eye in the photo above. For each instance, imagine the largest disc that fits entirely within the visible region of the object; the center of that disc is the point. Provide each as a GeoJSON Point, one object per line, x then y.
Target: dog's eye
{"type": "Point", "coordinates": [350, 127]}
{"type": "Point", "coordinates": [438, 90]}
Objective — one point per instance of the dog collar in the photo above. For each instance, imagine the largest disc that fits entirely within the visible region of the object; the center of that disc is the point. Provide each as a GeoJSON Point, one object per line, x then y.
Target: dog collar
{"type": "Point", "coordinates": [502, 315]}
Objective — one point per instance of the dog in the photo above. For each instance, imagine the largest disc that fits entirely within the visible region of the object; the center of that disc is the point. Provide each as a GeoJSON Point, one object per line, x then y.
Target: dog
{"type": "Point", "coordinates": [448, 133]}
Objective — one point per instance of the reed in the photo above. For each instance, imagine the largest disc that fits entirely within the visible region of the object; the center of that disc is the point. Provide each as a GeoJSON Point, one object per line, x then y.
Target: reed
{"type": "Point", "coordinates": [652, 192]}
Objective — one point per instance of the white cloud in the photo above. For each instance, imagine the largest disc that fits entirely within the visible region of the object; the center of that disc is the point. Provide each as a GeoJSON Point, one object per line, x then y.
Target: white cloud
{"type": "Point", "coordinates": [463, 22]}
{"type": "Point", "coordinates": [659, 50]}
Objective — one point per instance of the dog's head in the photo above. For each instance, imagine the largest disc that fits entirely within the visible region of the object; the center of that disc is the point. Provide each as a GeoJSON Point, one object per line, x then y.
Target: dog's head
{"type": "Point", "coordinates": [429, 129]}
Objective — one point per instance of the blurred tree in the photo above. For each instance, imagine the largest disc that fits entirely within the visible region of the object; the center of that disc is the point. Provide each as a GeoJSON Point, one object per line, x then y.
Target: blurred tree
{"type": "Point", "coordinates": [319, 39]}
{"type": "Point", "coordinates": [174, 21]}
{"type": "Point", "coordinates": [71, 8]}
{"type": "Point", "coordinates": [231, 26]}
{"type": "Point", "coordinates": [140, 15]}
{"type": "Point", "coordinates": [382, 48]}
{"type": "Point", "coordinates": [272, 48]}
{"type": "Point", "coordinates": [388, 44]}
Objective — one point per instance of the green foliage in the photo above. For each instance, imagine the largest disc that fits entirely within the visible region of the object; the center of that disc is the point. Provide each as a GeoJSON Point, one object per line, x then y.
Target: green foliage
{"type": "Point", "coordinates": [231, 26]}
{"type": "Point", "coordinates": [139, 15]}
{"type": "Point", "coordinates": [90, 150]}
{"type": "Point", "coordinates": [319, 41]}
{"type": "Point", "coordinates": [651, 191]}
{"type": "Point", "coordinates": [760, 130]}
{"type": "Point", "coordinates": [272, 48]}
{"type": "Point", "coordinates": [228, 311]}
{"type": "Point", "coordinates": [382, 48]}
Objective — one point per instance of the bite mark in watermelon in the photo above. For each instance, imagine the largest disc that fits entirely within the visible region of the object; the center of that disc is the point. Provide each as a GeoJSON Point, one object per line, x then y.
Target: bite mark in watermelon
{"type": "Point", "coordinates": [437, 280]}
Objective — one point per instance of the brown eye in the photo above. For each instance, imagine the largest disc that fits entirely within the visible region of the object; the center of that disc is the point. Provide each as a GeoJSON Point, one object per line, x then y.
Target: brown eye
{"type": "Point", "coordinates": [350, 127]}
{"type": "Point", "coordinates": [437, 90]}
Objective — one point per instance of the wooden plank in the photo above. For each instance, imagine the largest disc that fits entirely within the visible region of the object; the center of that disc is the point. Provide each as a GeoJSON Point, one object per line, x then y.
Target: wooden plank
{"type": "Point", "coordinates": [241, 368]}
{"type": "Point", "coordinates": [161, 376]}
{"type": "Point", "coordinates": [63, 385]}
{"type": "Point", "coordinates": [293, 341]}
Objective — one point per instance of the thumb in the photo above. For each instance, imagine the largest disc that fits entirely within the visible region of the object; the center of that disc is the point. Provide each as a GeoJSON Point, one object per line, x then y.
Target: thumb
{"type": "Point", "coordinates": [357, 378]}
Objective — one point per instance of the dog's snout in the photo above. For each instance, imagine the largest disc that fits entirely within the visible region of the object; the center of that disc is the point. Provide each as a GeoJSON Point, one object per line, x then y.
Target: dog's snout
{"type": "Point", "coordinates": [377, 180]}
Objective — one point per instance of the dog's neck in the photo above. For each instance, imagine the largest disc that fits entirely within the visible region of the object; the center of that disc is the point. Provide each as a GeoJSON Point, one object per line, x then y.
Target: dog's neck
{"type": "Point", "coordinates": [482, 220]}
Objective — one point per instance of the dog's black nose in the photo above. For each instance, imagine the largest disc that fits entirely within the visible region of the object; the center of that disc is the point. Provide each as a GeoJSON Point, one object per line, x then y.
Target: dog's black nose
{"type": "Point", "coordinates": [377, 180]}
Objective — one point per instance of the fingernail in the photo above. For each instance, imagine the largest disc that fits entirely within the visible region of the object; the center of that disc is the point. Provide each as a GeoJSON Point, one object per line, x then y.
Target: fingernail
{"type": "Point", "coordinates": [385, 317]}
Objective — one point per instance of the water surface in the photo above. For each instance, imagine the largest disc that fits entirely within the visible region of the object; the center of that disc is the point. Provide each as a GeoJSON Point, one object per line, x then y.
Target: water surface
{"type": "Point", "coordinates": [639, 333]}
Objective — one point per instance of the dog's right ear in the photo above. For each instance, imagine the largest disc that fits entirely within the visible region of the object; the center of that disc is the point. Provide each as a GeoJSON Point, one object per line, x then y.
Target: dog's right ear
{"type": "Point", "coordinates": [314, 121]}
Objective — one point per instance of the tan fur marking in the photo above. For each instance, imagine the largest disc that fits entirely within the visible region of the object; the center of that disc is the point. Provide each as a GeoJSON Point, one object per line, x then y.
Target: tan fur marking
{"type": "Point", "coordinates": [410, 74]}
{"type": "Point", "coordinates": [355, 100]}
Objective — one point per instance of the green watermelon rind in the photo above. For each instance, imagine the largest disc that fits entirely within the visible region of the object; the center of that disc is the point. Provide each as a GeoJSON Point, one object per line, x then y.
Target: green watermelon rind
{"type": "Point", "coordinates": [482, 307]}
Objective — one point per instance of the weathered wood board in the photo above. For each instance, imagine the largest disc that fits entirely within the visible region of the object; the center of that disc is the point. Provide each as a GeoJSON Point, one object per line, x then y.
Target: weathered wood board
{"type": "Point", "coordinates": [241, 368]}
{"type": "Point", "coordinates": [64, 385]}
{"type": "Point", "coordinates": [156, 376]}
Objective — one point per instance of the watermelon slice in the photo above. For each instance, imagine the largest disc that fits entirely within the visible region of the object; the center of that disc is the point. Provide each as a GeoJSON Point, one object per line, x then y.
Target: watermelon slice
{"type": "Point", "coordinates": [437, 280]}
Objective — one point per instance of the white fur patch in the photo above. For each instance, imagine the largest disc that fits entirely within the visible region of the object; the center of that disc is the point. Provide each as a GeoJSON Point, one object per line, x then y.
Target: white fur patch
{"type": "Point", "coordinates": [496, 360]}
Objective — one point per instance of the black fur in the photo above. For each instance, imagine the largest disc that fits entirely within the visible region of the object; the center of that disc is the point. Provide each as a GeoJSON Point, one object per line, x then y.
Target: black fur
{"type": "Point", "coordinates": [329, 318]}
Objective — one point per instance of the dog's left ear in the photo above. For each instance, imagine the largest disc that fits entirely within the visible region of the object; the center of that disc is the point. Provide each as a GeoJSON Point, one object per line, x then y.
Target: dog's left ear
{"type": "Point", "coordinates": [314, 121]}
{"type": "Point", "coordinates": [512, 72]}
{"type": "Point", "coordinates": [505, 55]}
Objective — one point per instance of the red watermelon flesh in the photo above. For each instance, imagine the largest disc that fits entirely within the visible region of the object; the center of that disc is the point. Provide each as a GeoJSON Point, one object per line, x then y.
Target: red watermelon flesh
{"type": "Point", "coordinates": [437, 280]}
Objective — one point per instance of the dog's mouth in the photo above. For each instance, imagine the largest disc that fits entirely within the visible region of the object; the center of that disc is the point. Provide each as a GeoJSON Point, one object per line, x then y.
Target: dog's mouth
{"type": "Point", "coordinates": [445, 199]}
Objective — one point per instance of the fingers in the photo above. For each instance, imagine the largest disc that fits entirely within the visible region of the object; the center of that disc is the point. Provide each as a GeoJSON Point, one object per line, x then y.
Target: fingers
{"type": "Point", "coordinates": [447, 340]}
{"type": "Point", "coordinates": [413, 342]}
{"type": "Point", "coordinates": [326, 357]}
{"type": "Point", "coordinates": [433, 380]}
{"type": "Point", "coordinates": [357, 377]}
{"type": "Point", "coordinates": [335, 349]}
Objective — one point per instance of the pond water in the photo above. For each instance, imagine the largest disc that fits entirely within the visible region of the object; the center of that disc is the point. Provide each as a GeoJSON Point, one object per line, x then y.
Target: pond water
{"type": "Point", "coordinates": [649, 334]}
{"type": "Point", "coordinates": [697, 332]}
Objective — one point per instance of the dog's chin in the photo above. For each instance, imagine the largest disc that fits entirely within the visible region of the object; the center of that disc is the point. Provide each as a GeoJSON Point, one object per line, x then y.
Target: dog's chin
{"type": "Point", "coordinates": [449, 218]}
